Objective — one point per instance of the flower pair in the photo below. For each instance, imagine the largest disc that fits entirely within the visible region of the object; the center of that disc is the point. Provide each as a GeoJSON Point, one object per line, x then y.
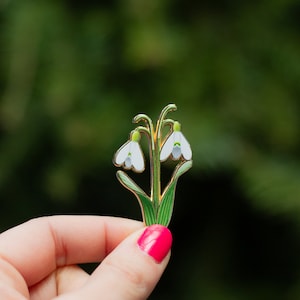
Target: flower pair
{"type": "Point", "coordinates": [130, 155]}
{"type": "Point", "coordinates": [156, 206]}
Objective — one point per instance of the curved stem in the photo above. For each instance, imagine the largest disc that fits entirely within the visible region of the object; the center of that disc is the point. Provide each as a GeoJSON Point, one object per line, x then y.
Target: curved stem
{"type": "Point", "coordinates": [161, 119]}
{"type": "Point", "coordinates": [156, 176]}
{"type": "Point", "coordinates": [168, 122]}
{"type": "Point", "coordinates": [143, 129]}
{"type": "Point", "coordinates": [150, 129]}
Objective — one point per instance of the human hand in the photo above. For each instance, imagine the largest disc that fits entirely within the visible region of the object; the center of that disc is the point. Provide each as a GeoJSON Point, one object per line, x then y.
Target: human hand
{"type": "Point", "coordinates": [38, 258]}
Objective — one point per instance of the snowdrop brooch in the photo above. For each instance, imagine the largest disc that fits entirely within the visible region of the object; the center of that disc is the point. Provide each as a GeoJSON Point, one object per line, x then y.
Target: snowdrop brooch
{"type": "Point", "coordinates": [157, 207]}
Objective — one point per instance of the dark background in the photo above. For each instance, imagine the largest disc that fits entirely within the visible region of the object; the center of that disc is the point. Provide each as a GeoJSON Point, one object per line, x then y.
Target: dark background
{"type": "Point", "coordinates": [74, 73]}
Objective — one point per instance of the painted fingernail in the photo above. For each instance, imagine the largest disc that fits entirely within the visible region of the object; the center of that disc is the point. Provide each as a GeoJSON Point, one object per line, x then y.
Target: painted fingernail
{"type": "Point", "coordinates": [156, 241]}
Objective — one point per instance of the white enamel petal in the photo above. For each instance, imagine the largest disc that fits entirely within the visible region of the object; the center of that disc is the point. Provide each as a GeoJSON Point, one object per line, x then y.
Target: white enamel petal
{"type": "Point", "coordinates": [122, 153]}
{"type": "Point", "coordinates": [185, 147]}
{"type": "Point", "coordinates": [167, 147]}
{"type": "Point", "coordinates": [177, 137]}
{"type": "Point", "coordinates": [137, 157]}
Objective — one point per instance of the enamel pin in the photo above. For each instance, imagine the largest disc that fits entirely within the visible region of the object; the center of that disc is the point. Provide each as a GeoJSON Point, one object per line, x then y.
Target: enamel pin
{"type": "Point", "coordinates": [157, 207]}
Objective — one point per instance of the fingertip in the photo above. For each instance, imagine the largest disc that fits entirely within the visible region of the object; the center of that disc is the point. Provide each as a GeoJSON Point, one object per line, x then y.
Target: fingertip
{"type": "Point", "coordinates": [156, 241]}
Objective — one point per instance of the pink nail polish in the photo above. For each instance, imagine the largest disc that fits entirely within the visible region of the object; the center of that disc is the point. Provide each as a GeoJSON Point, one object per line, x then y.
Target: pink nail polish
{"type": "Point", "coordinates": [156, 241]}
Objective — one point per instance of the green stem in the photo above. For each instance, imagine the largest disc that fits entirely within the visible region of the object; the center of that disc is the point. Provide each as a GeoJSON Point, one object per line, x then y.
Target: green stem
{"type": "Point", "coordinates": [160, 122]}
{"type": "Point", "coordinates": [142, 117]}
{"type": "Point", "coordinates": [154, 165]}
{"type": "Point", "coordinates": [144, 130]}
{"type": "Point", "coordinates": [154, 150]}
{"type": "Point", "coordinates": [155, 172]}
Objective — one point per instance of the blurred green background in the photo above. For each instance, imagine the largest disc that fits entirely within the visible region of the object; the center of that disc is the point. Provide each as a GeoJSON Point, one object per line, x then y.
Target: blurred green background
{"type": "Point", "coordinates": [74, 73]}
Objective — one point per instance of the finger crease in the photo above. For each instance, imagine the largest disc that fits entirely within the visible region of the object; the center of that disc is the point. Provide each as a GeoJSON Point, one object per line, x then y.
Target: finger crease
{"type": "Point", "coordinates": [60, 248]}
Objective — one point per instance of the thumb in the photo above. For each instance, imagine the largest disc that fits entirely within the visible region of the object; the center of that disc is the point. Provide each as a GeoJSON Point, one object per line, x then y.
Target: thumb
{"type": "Point", "coordinates": [132, 270]}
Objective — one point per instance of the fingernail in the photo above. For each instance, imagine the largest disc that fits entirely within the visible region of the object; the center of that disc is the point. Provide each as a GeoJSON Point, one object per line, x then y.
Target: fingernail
{"type": "Point", "coordinates": [156, 241]}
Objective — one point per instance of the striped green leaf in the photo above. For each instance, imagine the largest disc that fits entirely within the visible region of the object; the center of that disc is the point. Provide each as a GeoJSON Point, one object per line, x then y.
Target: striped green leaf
{"type": "Point", "coordinates": [167, 202]}
{"type": "Point", "coordinates": [144, 201]}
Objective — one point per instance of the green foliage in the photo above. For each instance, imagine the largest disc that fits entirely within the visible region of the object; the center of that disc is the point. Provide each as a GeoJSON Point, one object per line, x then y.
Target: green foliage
{"type": "Point", "coordinates": [77, 70]}
{"type": "Point", "coordinates": [145, 202]}
{"type": "Point", "coordinates": [167, 201]}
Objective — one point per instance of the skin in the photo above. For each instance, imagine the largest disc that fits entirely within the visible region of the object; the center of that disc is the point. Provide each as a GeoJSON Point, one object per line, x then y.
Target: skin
{"type": "Point", "coordinates": [38, 260]}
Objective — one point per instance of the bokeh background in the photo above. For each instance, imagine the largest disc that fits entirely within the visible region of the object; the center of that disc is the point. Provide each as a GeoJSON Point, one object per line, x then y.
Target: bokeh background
{"type": "Point", "coordinates": [74, 73]}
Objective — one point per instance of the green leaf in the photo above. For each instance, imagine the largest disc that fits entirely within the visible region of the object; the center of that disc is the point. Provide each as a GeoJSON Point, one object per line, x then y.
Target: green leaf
{"type": "Point", "coordinates": [182, 168]}
{"type": "Point", "coordinates": [167, 202]}
{"type": "Point", "coordinates": [144, 201]}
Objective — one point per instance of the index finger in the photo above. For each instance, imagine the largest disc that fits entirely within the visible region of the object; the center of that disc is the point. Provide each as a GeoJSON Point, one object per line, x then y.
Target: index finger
{"type": "Point", "coordinates": [37, 247]}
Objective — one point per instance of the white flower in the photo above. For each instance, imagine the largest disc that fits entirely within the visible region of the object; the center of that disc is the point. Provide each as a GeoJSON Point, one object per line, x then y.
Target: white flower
{"type": "Point", "coordinates": [130, 155]}
{"type": "Point", "coordinates": [176, 145]}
